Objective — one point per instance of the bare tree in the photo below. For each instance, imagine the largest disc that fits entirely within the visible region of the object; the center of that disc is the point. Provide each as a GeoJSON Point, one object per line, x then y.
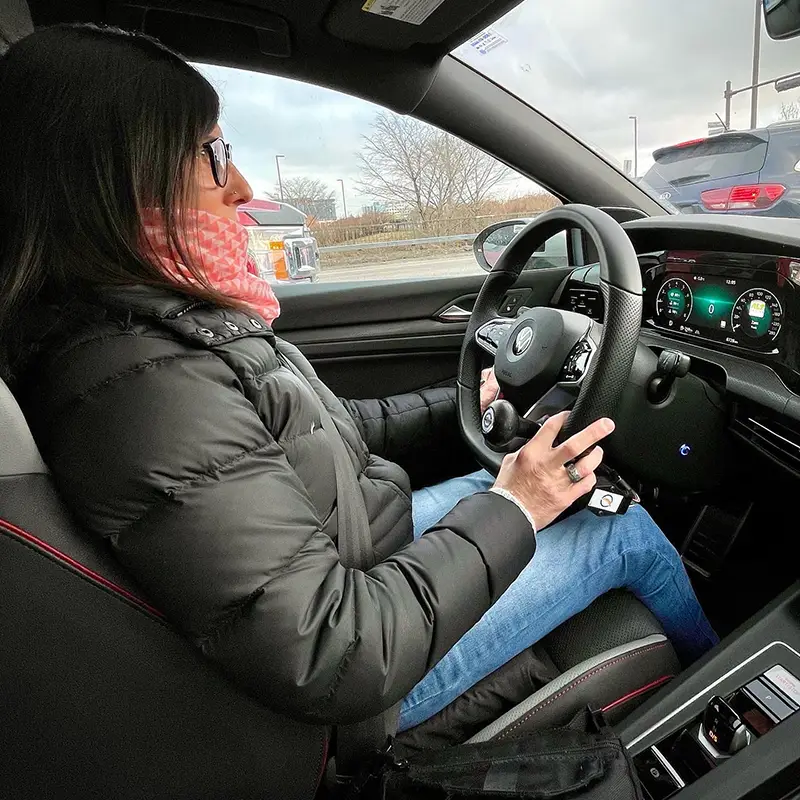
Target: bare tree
{"type": "Point", "coordinates": [304, 190]}
{"type": "Point", "coordinates": [480, 174]}
{"type": "Point", "coordinates": [790, 111]}
{"type": "Point", "coordinates": [409, 163]}
{"type": "Point", "coordinates": [312, 196]}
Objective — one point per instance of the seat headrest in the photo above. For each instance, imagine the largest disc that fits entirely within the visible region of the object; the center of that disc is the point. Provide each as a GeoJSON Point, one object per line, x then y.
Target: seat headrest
{"type": "Point", "coordinates": [15, 22]}
{"type": "Point", "coordinates": [19, 454]}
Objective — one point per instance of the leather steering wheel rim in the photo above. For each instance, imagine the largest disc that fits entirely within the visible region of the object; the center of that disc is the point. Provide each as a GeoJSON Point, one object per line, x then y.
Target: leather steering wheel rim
{"type": "Point", "coordinates": [621, 287]}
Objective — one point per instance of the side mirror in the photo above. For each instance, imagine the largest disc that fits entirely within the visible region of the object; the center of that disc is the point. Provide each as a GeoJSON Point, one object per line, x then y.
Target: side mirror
{"type": "Point", "coordinates": [490, 242]}
{"type": "Point", "coordinates": [782, 18]}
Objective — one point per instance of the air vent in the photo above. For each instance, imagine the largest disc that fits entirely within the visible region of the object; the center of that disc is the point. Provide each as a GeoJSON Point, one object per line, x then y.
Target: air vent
{"type": "Point", "coordinates": [779, 439]}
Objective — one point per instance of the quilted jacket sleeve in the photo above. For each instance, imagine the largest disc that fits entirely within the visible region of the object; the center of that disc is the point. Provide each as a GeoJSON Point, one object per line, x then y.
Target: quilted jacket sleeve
{"type": "Point", "coordinates": [418, 430]}
{"type": "Point", "coordinates": [200, 503]}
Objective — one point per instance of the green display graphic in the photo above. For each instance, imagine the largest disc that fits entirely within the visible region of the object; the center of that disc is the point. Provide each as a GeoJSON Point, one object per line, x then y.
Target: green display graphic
{"type": "Point", "coordinates": [757, 313]}
{"type": "Point", "coordinates": [720, 307]}
{"type": "Point", "coordinates": [711, 306]}
{"type": "Point", "coordinates": [674, 301]}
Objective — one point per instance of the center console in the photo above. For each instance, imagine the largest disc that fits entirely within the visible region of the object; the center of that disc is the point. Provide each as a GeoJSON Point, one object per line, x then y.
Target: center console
{"type": "Point", "coordinates": [729, 726]}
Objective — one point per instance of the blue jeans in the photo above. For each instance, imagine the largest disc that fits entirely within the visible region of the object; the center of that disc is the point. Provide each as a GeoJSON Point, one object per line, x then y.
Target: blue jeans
{"type": "Point", "coordinates": [576, 561]}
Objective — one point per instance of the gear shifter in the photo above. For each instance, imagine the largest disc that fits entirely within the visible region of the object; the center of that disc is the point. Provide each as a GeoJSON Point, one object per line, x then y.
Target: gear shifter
{"type": "Point", "coordinates": [501, 424]}
{"type": "Point", "coordinates": [723, 729]}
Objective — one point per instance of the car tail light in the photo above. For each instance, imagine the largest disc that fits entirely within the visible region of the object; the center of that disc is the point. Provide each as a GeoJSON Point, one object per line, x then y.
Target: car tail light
{"type": "Point", "coordinates": [690, 143]}
{"type": "Point", "coordinates": [739, 198]}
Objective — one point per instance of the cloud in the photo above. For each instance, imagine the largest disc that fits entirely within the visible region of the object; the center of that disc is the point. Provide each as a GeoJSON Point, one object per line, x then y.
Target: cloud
{"type": "Point", "coordinates": [587, 64]}
{"type": "Point", "coordinates": [316, 130]}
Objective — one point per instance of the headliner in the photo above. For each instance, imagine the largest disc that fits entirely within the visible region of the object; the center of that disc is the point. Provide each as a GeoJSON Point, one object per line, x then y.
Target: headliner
{"type": "Point", "coordinates": [328, 42]}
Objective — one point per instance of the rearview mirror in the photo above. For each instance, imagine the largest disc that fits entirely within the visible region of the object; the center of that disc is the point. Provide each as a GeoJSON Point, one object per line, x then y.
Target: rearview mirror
{"type": "Point", "coordinates": [490, 243]}
{"type": "Point", "coordinates": [782, 18]}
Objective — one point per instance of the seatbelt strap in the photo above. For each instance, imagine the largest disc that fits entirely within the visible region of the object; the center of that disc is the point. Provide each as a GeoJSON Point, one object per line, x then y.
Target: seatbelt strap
{"type": "Point", "coordinates": [354, 538]}
{"type": "Point", "coordinates": [354, 742]}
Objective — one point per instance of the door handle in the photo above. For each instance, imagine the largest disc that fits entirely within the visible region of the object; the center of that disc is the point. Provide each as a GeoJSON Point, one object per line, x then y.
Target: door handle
{"type": "Point", "coordinates": [454, 313]}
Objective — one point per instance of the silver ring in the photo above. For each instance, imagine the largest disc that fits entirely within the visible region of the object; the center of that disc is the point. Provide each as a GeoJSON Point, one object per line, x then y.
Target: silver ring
{"type": "Point", "coordinates": [573, 473]}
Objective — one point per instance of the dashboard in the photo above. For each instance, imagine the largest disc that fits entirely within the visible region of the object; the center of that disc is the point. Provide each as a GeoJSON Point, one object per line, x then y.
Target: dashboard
{"type": "Point", "coordinates": [725, 291]}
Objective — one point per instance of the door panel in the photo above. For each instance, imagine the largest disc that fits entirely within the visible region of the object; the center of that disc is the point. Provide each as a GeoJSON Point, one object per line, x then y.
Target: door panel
{"type": "Point", "coordinates": [380, 338]}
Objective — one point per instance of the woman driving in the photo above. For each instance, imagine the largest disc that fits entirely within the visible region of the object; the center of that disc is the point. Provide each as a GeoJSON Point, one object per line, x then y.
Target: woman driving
{"type": "Point", "coordinates": [183, 432]}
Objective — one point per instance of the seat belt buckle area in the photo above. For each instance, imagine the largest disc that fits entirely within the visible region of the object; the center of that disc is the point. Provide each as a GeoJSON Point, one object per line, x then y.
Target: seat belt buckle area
{"type": "Point", "coordinates": [365, 782]}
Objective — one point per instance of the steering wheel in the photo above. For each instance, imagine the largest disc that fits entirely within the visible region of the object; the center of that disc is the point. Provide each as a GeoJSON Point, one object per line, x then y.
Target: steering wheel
{"type": "Point", "coordinates": [548, 353]}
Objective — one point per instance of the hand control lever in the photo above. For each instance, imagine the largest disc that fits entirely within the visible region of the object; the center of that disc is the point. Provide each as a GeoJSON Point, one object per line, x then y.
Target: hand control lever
{"type": "Point", "coordinates": [501, 424]}
{"type": "Point", "coordinates": [723, 728]}
{"type": "Point", "coordinates": [672, 364]}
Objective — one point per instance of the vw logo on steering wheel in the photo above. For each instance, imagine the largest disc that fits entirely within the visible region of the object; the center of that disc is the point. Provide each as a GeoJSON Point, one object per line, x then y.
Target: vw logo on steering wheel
{"type": "Point", "coordinates": [523, 341]}
{"type": "Point", "coordinates": [487, 421]}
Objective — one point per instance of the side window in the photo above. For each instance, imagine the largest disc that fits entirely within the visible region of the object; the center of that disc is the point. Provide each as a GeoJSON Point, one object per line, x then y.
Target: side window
{"type": "Point", "coordinates": [346, 190]}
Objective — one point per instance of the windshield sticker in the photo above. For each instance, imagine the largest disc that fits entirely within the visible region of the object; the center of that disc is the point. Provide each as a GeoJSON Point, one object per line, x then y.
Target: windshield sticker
{"type": "Point", "coordinates": [415, 12]}
{"type": "Point", "coordinates": [488, 40]}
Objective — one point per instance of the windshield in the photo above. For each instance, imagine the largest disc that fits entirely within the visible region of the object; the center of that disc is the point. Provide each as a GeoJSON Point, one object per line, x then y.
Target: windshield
{"type": "Point", "coordinates": [645, 85]}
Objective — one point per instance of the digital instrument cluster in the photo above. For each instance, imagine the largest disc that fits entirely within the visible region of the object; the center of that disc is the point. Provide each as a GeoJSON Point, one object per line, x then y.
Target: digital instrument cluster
{"type": "Point", "coordinates": [743, 306]}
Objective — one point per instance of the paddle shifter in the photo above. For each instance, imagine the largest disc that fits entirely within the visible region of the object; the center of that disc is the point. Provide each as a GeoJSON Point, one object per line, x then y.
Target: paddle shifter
{"type": "Point", "coordinates": [501, 424]}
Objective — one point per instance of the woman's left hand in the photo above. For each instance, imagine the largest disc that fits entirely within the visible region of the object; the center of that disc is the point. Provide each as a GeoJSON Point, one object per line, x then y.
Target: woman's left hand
{"type": "Point", "coordinates": [490, 388]}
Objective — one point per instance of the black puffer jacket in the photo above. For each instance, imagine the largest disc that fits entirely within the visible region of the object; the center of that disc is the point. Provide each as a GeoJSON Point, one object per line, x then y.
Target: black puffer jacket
{"type": "Point", "coordinates": [175, 433]}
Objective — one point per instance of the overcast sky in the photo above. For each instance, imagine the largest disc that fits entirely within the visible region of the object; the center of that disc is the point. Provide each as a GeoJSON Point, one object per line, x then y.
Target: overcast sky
{"type": "Point", "coordinates": [588, 64]}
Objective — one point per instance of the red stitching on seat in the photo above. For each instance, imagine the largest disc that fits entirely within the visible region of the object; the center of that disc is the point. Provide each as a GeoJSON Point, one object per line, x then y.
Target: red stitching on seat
{"type": "Point", "coordinates": [637, 692]}
{"type": "Point", "coordinates": [522, 720]}
{"type": "Point", "coordinates": [78, 567]}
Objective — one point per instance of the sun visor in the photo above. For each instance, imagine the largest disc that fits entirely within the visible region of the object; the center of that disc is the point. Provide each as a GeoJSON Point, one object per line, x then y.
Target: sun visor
{"type": "Point", "coordinates": [255, 28]}
{"type": "Point", "coordinates": [402, 24]}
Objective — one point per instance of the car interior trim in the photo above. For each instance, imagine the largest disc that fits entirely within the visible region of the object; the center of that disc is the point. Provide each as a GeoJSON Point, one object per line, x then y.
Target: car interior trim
{"type": "Point", "coordinates": [28, 538]}
{"type": "Point", "coordinates": [668, 767]}
{"type": "Point", "coordinates": [637, 693]}
{"type": "Point", "coordinates": [563, 682]}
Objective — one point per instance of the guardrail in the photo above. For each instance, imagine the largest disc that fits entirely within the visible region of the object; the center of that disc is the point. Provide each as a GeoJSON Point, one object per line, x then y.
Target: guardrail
{"type": "Point", "coordinates": [459, 237]}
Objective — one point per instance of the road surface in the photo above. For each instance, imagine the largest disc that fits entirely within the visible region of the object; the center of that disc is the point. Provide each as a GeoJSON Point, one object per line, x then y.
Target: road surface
{"type": "Point", "coordinates": [434, 267]}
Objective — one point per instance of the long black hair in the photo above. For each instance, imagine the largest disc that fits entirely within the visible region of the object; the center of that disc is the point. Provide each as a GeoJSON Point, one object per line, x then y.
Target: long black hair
{"type": "Point", "coordinates": [96, 124]}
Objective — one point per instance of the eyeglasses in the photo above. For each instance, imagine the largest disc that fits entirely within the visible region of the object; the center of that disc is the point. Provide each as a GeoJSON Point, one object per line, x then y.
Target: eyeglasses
{"type": "Point", "coordinates": [219, 156]}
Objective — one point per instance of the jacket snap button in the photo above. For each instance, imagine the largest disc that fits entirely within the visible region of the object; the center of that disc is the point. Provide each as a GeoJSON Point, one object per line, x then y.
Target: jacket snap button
{"type": "Point", "coordinates": [256, 324]}
{"type": "Point", "coordinates": [206, 332]}
{"type": "Point", "coordinates": [231, 326]}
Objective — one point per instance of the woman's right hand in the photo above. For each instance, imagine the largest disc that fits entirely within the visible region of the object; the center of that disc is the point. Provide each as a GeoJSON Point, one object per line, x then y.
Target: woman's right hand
{"type": "Point", "coordinates": [536, 475]}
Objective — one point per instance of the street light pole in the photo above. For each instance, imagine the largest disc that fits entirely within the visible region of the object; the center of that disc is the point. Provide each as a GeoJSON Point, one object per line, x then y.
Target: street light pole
{"type": "Point", "coordinates": [344, 200]}
{"type": "Point", "coordinates": [635, 144]}
{"type": "Point", "coordinates": [278, 168]}
{"type": "Point", "coordinates": [728, 96]}
{"type": "Point", "coordinates": [756, 64]}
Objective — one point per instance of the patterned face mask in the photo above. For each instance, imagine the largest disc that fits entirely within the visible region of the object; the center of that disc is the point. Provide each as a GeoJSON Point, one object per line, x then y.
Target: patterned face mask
{"type": "Point", "coordinates": [219, 246]}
